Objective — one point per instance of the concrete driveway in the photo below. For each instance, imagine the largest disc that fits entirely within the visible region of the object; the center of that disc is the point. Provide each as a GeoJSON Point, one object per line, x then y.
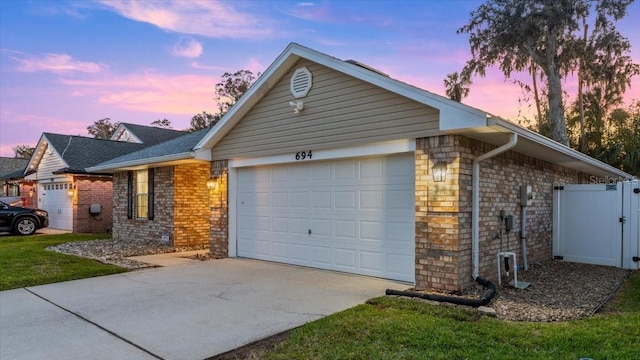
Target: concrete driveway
{"type": "Point", "coordinates": [188, 311]}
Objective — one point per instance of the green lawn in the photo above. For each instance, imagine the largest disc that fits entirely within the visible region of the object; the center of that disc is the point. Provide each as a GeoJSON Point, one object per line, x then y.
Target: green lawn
{"type": "Point", "coordinates": [392, 328]}
{"type": "Point", "coordinates": [25, 262]}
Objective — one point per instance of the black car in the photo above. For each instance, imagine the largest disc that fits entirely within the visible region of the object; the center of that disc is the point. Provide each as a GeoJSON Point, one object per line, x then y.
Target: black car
{"type": "Point", "coordinates": [22, 221]}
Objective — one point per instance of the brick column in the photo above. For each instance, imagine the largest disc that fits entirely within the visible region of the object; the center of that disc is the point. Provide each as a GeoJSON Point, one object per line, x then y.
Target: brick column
{"type": "Point", "coordinates": [438, 220]}
{"type": "Point", "coordinates": [219, 214]}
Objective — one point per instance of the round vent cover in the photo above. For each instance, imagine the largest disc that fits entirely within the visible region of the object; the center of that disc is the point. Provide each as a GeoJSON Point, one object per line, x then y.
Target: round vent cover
{"type": "Point", "coordinates": [301, 82]}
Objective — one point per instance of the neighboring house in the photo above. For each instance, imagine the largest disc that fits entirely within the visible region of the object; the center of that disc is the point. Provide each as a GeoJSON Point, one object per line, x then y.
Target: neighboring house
{"type": "Point", "coordinates": [330, 164]}
{"type": "Point", "coordinates": [12, 183]}
{"type": "Point", "coordinates": [78, 200]}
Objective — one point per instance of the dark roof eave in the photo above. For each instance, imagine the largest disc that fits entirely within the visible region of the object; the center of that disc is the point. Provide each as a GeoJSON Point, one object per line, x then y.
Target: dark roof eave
{"type": "Point", "coordinates": [79, 172]}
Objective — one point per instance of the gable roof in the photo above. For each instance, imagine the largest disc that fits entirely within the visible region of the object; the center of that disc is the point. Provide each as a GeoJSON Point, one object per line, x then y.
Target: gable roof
{"type": "Point", "coordinates": [458, 115]}
{"type": "Point", "coordinates": [79, 152]}
{"type": "Point", "coordinates": [148, 135]}
{"type": "Point", "coordinates": [9, 166]}
{"type": "Point", "coordinates": [175, 151]}
{"type": "Point", "coordinates": [454, 117]}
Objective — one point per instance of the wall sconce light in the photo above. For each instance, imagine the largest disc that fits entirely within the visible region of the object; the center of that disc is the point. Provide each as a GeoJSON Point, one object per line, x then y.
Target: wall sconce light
{"type": "Point", "coordinates": [212, 184]}
{"type": "Point", "coordinates": [30, 193]}
{"type": "Point", "coordinates": [439, 171]}
{"type": "Point", "coordinates": [70, 191]}
{"type": "Point", "coordinates": [297, 106]}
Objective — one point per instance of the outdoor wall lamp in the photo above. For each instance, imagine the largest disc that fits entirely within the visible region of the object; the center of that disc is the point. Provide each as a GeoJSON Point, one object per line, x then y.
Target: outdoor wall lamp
{"type": "Point", "coordinates": [70, 191]}
{"type": "Point", "coordinates": [31, 193]}
{"type": "Point", "coordinates": [439, 171]}
{"type": "Point", "coordinates": [212, 184]}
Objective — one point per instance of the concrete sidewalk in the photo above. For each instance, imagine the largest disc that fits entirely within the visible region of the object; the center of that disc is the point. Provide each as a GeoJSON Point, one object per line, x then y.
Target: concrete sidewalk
{"type": "Point", "coordinates": [190, 310]}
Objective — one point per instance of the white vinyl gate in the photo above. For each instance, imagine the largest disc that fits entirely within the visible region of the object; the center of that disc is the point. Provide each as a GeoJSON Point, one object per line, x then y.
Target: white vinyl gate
{"type": "Point", "coordinates": [597, 224]}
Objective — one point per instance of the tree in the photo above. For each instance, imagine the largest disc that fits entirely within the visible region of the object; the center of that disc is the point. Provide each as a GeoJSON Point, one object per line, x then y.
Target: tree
{"type": "Point", "coordinates": [203, 120]}
{"type": "Point", "coordinates": [227, 93]}
{"type": "Point", "coordinates": [231, 89]}
{"type": "Point", "coordinates": [102, 129]}
{"type": "Point", "coordinates": [457, 85]}
{"type": "Point", "coordinates": [23, 151]}
{"type": "Point", "coordinates": [519, 34]}
{"type": "Point", "coordinates": [162, 123]}
{"type": "Point", "coordinates": [621, 143]}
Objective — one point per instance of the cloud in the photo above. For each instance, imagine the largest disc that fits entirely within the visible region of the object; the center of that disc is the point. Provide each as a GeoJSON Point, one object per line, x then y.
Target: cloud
{"type": "Point", "coordinates": [151, 92]}
{"type": "Point", "coordinates": [214, 19]}
{"type": "Point", "coordinates": [57, 63]}
{"type": "Point", "coordinates": [189, 48]}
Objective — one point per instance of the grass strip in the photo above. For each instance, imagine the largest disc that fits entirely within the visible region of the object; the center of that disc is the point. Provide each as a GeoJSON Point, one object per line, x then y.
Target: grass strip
{"type": "Point", "coordinates": [25, 262]}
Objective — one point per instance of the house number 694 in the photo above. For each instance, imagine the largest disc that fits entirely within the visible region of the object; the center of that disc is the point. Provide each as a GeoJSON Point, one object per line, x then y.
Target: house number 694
{"type": "Point", "coordinates": [302, 155]}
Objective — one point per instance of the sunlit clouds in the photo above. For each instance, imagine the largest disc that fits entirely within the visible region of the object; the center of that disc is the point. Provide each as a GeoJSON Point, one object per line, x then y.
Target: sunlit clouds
{"type": "Point", "coordinates": [56, 63]}
{"type": "Point", "coordinates": [151, 92]}
{"type": "Point", "coordinates": [188, 48]}
{"type": "Point", "coordinates": [214, 19]}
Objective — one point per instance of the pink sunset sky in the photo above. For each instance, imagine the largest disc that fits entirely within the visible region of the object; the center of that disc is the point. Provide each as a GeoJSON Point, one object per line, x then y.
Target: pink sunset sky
{"type": "Point", "coordinates": [64, 65]}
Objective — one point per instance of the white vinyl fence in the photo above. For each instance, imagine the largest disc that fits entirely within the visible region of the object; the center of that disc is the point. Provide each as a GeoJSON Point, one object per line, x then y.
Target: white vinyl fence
{"type": "Point", "coordinates": [597, 224]}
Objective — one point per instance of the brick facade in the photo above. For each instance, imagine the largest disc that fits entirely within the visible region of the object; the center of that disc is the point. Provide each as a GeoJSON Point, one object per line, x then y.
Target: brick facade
{"type": "Point", "coordinates": [191, 206]}
{"type": "Point", "coordinates": [443, 210]}
{"type": "Point", "coordinates": [162, 225]}
{"type": "Point", "coordinates": [90, 191]}
{"type": "Point", "coordinates": [220, 209]}
{"type": "Point", "coordinates": [181, 212]}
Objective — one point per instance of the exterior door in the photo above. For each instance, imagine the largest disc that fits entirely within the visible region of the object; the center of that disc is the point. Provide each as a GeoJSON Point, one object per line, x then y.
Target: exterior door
{"type": "Point", "coordinates": [586, 223]}
{"type": "Point", "coordinates": [56, 201]}
{"type": "Point", "coordinates": [352, 215]}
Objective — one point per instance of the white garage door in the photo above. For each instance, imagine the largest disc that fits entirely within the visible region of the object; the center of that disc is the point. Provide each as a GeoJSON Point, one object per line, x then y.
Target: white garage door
{"type": "Point", "coordinates": [354, 215]}
{"type": "Point", "coordinates": [56, 201]}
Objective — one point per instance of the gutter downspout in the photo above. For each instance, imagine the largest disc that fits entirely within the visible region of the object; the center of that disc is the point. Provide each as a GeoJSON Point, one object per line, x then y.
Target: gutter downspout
{"type": "Point", "coordinates": [475, 201]}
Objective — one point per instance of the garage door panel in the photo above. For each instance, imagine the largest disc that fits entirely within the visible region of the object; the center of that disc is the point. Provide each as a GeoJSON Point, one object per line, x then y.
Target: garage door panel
{"type": "Point", "coordinates": [345, 259]}
{"type": "Point", "coordinates": [372, 262]}
{"type": "Point", "coordinates": [345, 229]}
{"type": "Point", "coordinates": [280, 250]}
{"type": "Point", "coordinates": [371, 169]}
{"type": "Point", "coordinates": [371, 231]}
{"type": "Point", "coordinates": [345, 199]}
{"type": "Point", "coordinates": [400, 265]}
{"type": "Point", "coordinates": [321, 199]}
{"type": "Point", "coordinates": [280, 224]}
{"type": "Point", "coordinates": [321, 227]}
{"type": "Point", "coordinates": [359, 211]}
{"type": "Point", "coordinates": [322, 255]}
{"type": "Point", "coordinates": [371, 199]}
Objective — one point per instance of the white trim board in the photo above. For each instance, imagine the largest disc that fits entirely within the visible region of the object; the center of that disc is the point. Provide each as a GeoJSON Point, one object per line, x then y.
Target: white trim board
{"type": "Point", "coordinates": [380, 148]}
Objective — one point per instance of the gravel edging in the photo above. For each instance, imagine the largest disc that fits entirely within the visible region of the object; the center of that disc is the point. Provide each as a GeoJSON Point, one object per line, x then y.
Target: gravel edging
{"type": "Point", "coordinates": [114, 252]}
{"type": "Point", "coordinates": [559, 291]}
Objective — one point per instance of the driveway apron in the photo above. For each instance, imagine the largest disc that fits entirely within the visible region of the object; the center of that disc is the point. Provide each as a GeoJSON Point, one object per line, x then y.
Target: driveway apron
{"type": "Point", "coordinates": [187, 311]}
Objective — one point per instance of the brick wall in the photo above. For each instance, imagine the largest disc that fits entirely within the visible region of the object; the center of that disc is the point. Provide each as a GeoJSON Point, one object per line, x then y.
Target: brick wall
{"type": "Point", "coordinates": [220, 210]}
{"type": "Point", "coordinates": [92, 191]}
{"type": "Point", "coordinates": [443, 210]}
{"type": "Point", "coordinates": [191, 202]}
{"type": "Point", "coordinates": [129, 229]}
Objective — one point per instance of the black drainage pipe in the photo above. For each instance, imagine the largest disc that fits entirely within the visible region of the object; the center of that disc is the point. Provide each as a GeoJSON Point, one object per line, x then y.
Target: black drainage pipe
{"type": "Point", "coordinates": [483, 300]}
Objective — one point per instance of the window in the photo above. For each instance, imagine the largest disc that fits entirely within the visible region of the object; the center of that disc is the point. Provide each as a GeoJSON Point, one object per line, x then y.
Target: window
{"type": "Point", "coordinates": [142, 194]}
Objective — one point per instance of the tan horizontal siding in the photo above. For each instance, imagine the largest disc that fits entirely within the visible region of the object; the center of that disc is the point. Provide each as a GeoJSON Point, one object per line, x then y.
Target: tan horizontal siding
{"type": "Point", "coordinates": [338, 111]}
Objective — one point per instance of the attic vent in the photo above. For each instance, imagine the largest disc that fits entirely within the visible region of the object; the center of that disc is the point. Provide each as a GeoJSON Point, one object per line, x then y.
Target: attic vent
{"type": "Point", "coordinates": [301, 82]}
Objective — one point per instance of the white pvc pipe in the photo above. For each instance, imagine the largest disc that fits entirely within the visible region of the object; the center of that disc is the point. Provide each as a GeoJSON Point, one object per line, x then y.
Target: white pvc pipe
{"type": "Point", "coordinates": [523, 237]}
{"type": "Point", "coordinates": [475, 201]}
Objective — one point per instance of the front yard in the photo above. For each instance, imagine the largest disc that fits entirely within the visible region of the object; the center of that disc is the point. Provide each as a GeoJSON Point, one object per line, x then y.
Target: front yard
{"type": "Point", "coordinates": [25, 262]}
{"type": "Point", "coordinates": [384, 327]}
{"type": "Point", "coordinates": [396, 328]}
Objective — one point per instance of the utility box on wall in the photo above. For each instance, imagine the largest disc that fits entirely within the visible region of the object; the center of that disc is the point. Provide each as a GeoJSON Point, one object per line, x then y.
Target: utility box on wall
{"type": "Point", "coordinates": [95, 209]}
